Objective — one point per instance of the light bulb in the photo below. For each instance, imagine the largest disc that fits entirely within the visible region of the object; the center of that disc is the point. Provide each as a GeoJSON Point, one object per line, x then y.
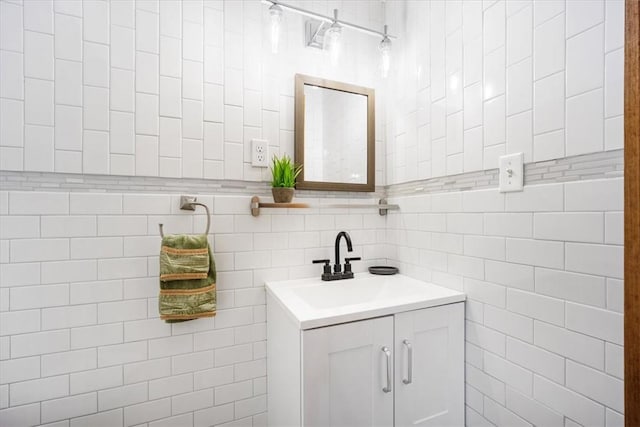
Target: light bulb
{"type": "Point", "coordinates": [385, 54]}
{"type": "Point", "coordinates": [275, 14]}
{"type": "Point", "coordinates": [332, 39]}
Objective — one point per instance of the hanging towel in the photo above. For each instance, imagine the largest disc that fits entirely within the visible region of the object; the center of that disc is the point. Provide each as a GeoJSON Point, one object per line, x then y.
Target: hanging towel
{"type": "Point", "coordinates": [187, 278]}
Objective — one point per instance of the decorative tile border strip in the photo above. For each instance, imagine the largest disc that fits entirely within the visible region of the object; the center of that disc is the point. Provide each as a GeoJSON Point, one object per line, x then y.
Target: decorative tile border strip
{"type": "Point", "coordinates": [606, 164]}
{"type": "Point", "coordinates": [50, 181]}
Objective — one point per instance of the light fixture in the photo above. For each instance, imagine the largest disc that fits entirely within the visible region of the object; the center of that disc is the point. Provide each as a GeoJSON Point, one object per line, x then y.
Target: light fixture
{"type": "Point", "coordinates": [332, 39]}
{"type": "Point", "coordinates": [275, 14]}
{"type": "Point", "coordinates": [385, 54]}
{"type": "Point", "coordinates": [329, 39]}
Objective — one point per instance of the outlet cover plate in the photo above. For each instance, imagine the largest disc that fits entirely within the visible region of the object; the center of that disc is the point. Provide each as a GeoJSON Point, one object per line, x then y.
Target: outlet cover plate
{"type": "Point", "coordinates": [511, 172]}
{"type": "Point", "coordinates": [260, 153]}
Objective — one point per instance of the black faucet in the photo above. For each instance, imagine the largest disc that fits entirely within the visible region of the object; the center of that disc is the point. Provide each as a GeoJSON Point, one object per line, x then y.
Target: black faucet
{"type": "Point", "coordinates": [336, 267]}
{"type": "Point", "coordinates": [338, 274]}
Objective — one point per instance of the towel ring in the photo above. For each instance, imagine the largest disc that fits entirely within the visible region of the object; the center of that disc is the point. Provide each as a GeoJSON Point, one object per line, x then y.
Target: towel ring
{"type": "Point", "coordinates": [189, 204]}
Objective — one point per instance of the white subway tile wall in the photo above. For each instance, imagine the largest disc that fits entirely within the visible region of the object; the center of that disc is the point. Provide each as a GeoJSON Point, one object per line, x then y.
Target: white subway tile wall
{"type": "Point", "coordinates": [79, 324]}
{"type": "Point", "coordinates": [475, 80]}
{"type": "Point", "coordinates": [544, 332]}
{"type": "Point", "coordinates": [167, 88]}
{"type": "Point", "coordinates": [177, 89]}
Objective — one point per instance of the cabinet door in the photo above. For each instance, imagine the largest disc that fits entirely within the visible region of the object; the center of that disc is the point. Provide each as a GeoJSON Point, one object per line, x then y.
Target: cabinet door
{"type": "Point", "coordinates": [432, 394]}
{"type": "Point", "coordinates": [344, 372]}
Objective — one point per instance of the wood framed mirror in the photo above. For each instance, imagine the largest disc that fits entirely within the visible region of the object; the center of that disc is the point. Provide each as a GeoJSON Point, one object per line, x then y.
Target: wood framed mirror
{"type": "Point", "coordinates": [334, 135]}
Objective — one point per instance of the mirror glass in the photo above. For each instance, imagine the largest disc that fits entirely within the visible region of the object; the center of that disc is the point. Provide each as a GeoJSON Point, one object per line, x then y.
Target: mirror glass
{"type": "Point", "coordinates": [334, 133]}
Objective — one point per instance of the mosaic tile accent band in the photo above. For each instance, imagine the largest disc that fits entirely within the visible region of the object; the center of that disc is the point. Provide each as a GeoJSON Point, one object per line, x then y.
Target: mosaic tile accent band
{"type": "Point", "coordinates": [606, 164]}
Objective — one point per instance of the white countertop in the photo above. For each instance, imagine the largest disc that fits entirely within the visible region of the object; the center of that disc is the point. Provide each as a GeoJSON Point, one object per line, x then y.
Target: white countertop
{"type": "Point", "coordinates": [312, 303]}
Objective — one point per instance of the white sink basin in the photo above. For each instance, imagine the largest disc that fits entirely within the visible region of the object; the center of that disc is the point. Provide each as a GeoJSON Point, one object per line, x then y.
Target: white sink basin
{"type": "Point", "coordinates": [312, 303]}
{"type": "Point", "coordinates": [326, 295]}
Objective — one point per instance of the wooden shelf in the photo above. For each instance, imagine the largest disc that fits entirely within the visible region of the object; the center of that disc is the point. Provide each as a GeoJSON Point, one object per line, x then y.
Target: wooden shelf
{"type": "Point", "coordinates": [284, 205]}
{"type": "Point", "coordinates": [256, 204]}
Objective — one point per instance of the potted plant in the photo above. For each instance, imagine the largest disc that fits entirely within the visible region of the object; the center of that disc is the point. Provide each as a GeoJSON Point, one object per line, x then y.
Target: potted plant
{"type": "Point", "coordinates": [284, 174]}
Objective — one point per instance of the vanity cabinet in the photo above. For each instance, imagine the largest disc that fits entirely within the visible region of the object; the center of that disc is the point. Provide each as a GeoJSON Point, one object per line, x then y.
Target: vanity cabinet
{"type": "Point", "coordinates": [402, 369]}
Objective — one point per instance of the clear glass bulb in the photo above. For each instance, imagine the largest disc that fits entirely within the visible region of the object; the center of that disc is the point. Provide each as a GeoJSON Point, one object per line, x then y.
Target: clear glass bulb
{"type": "Point", "coordinates": [332, 39]}
{"type": "Point", "coordinates": [385, 56]}
{"type": "Point", "coordinates": [275, 14]}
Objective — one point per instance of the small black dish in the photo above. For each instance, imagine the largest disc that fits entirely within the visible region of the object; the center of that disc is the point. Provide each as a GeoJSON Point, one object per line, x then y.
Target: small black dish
{"type": "Point", "coordinates": [383, 270]}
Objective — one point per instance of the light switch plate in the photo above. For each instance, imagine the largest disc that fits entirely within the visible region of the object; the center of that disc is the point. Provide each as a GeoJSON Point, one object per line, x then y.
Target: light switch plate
{"type": "Point", "coordinates": [511, 172]}
{"type": "Point", "coordinates": [260, 153]}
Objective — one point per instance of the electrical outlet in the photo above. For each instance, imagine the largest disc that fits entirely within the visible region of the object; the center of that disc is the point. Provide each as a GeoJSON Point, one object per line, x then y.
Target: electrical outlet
{"type": "Point", "coordinates": [260, 153]}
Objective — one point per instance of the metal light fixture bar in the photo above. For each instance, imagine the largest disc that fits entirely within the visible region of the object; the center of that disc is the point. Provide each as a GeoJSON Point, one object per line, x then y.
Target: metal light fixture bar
{"type": "Point", "coordinates": [328, 19]}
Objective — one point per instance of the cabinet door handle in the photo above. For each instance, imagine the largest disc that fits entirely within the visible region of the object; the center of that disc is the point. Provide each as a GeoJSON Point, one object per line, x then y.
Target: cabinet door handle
{"type": "Point", "coordinates": [409, 379]}
{"type": "Point", "coordinates": [387, 353]}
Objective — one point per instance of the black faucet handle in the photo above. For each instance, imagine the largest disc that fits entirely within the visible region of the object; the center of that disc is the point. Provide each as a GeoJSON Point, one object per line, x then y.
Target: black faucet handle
{"type": "Point", "coordinates": [327, 267]}
{"type": "Point", "coordinates": [347, 265]}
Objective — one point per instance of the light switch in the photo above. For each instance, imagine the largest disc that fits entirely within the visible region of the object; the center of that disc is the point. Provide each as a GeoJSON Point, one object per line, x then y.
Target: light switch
{"type": "Point", "coordinates": [511, 172]}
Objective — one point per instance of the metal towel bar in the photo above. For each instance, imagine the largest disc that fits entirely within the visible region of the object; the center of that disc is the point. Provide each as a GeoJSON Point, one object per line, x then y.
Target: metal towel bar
{"type": "Point", "coordinates": [189, 204]}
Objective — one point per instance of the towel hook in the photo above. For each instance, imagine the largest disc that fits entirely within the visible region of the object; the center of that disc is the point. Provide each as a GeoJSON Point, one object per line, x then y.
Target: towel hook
{"type": "Point", "coordinates": [189, 204]}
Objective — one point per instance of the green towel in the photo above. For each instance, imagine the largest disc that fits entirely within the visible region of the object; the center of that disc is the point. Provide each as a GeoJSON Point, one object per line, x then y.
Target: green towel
{"type": "Point", "coordinates": [187, 278]}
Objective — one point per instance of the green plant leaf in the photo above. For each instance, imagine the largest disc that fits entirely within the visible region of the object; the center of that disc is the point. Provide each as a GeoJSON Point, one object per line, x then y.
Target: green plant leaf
{"type": "Point", "coordinates": [284, 172]}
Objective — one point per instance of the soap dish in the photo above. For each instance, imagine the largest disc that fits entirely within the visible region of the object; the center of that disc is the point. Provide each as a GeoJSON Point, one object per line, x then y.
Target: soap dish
{"type": "Point", "coordinates": [383, 270]}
